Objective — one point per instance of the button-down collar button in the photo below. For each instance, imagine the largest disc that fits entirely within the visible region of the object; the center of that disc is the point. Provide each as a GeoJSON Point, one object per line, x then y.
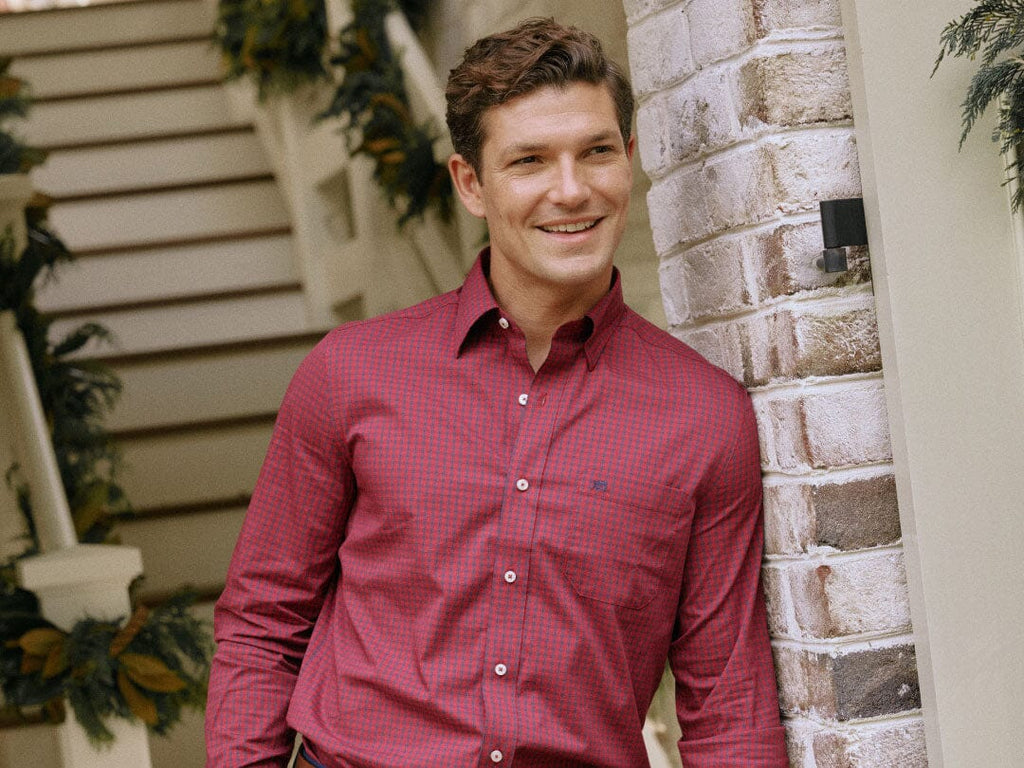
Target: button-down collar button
{"type": "Point", "coordinates": [496, 756]}
{"type": "Point", "coordinates": [503, 322]}
{"type": "Point", "coordinates": [510, 576]}
{"type": "Point", "coordinates": [522, 483]}
{"type": "Point", "coordinates": [523, 398]}
{"type": "Point", "coordinates": [500, 670]}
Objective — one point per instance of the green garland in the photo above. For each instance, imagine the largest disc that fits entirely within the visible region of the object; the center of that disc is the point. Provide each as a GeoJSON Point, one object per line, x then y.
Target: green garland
{"type": "Point", "coordinates": [156, 664]}
{"type": "Point", "coordinates": [148, 669]}
{"type": "Point", "coordinates": [372, 100]}
{"type": "Point", "coordinates": [76, 394]}
{"type": "Point", "coordinates": [994, 28]}
{"type": "Point", "coordinates": [281, 44]}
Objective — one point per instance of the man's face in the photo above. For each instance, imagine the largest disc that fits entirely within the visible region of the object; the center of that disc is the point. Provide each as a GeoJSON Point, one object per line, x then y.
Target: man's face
{"type": "Point", "coordinates": [554, 185]}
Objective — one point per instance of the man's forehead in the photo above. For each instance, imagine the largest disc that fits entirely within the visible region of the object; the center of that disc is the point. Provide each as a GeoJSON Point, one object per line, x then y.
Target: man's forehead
{"type": "Point", "coordinates": [600, 121]}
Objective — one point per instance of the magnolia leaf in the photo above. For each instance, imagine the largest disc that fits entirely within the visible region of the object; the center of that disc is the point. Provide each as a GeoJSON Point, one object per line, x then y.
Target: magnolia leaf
{"type": "Point", "coordinates": [128, 632]}
{"type": "Point", "coordinates": [380, 146]}
{"type": "Point", "coordinates": [31, 664]}
{"type": "Point", "coordinates": [150, 673]}
{"type": "Point", "coordinates": [54, 710]}
{"type": "Point", "coordinates": [39, 641]}
{"type": "Point", "coordinates": [93, 509]}
{"type": "Point", "coordinates": [365, 44]}
{"type": "Point", "coordinates": [141, 706]}
{"type": "Point", "coordinates": [393, 103]}
{"type": "Point", "coordinates": [56, 661]}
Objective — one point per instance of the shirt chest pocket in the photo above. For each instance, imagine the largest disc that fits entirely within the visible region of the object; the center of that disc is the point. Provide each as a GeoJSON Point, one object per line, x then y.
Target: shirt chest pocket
{"type": "Point", "coordinates": [625, 540]}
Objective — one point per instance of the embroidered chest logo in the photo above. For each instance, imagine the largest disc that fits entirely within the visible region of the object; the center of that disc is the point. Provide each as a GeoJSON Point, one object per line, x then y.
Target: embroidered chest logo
{"type": "Point", "coordinates": [599, 485]}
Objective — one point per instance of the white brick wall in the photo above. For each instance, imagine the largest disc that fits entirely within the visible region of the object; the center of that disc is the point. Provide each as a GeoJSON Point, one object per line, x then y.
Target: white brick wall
{"type": "Point", "coordinates": [744, 125]}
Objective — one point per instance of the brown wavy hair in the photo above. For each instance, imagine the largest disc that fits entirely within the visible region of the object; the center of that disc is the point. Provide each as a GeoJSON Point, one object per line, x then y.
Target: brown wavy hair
{"type": "Point", "coordinates": [538, 52]}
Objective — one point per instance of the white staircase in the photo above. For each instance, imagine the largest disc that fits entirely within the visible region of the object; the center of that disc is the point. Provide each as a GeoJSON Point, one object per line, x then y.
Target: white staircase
{"type": "Point", "coordinates": [185, 252]}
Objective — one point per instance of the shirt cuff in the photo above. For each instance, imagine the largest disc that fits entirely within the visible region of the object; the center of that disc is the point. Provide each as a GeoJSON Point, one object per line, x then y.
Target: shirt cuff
{"type": "Point", "coordinates": [762, 748]}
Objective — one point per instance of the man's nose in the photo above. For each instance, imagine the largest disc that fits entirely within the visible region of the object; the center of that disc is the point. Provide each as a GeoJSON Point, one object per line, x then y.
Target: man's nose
{"type": "Point", "coordinates": [570, 187]}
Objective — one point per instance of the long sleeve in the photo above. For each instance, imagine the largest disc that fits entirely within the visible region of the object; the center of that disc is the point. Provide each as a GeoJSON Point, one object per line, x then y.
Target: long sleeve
{"type": "Point", "coordinates": [726, 697]}
{"type": "Point", "coordinates": [284, 563]}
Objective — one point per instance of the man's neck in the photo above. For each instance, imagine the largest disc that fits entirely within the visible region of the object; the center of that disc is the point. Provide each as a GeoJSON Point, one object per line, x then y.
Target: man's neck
{"type": "Point", "coordinates": [539, 313]}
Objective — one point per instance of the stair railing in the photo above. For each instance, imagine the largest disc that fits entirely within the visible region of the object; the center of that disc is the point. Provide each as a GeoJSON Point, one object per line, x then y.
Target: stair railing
{"type": "Point", "coordinates": [71, 580]}
{"type": "Point", "coordinates": [339, 221]}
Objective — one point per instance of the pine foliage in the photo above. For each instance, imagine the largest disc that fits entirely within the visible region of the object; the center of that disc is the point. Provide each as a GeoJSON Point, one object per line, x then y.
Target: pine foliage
{"type": "Point", "coordinates": [995, 30]}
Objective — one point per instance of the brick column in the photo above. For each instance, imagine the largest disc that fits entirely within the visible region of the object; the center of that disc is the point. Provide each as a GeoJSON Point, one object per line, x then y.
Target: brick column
{"type": "Point", "coordinates": [744, 124]}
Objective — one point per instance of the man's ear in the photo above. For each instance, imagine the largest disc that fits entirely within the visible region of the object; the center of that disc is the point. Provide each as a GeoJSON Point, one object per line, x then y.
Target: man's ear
{"type": "Point", "coordinates": [467, 184]}
{"type": "Point", "coordinates": [631, 146]}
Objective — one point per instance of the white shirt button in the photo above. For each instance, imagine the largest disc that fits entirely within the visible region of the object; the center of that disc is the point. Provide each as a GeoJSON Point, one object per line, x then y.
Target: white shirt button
{"type": "Point", "coordinates": [510, 576]}
{"type": "Point", "coordinates": [500, 670]}
{"type": "Point", "coordinates": [523, 398]}
{"type": "Point", "coordinates": [496, 756]}
{"type": "Point", "coordinates": [503, 322]}
{"type": "Point", "coordinates": [522, 483]}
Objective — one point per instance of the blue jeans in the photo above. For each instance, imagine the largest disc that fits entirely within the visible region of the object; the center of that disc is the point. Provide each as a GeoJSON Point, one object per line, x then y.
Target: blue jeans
{"type": "Point", "coordinates": [308, 758]}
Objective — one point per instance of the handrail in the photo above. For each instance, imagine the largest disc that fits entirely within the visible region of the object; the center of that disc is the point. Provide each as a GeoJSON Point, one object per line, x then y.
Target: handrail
{"type": "Point", "coordinates": [427, 94]}
{"type": "Point", "coordinates": [50, 509]}
{"type": "Point", "coordinates": [340, 226]}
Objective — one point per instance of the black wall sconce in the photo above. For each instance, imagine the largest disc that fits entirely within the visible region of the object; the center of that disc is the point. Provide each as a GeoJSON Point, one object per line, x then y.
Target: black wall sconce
{"type": "Point", "coordinates": [842, 225]}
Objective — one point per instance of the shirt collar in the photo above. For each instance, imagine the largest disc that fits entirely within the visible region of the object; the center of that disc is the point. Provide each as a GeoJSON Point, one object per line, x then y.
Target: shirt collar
{"type": "Point", "coordinates": [476, 301]}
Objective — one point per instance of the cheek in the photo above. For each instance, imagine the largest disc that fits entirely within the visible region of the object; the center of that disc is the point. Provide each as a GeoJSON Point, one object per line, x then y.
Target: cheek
{"type": "Point", "coordinates": [618, 185]}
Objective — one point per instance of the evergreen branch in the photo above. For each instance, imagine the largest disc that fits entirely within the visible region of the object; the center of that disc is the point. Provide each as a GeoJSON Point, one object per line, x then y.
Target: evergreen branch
{"type": "Point", "coordinates": [995, 28]}
{"type": "Point", "coordinates": [989, 84]}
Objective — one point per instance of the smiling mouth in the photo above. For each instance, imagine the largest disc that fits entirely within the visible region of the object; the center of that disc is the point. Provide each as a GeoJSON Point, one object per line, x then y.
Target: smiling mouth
{"type": "Point", "coordinates": [570, 228]}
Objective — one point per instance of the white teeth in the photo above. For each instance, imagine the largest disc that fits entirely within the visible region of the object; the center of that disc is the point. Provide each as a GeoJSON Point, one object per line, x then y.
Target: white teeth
{"type": "Point", "coordinates": [571, 227]}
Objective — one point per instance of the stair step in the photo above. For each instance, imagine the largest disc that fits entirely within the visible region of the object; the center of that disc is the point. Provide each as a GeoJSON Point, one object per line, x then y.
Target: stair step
{"type": "Point", "coordinates": [174, 272]}
{"type": "Point", "coordinates": [190, 468]}
{"type": "Point", "coordinates": [151, 164]}
{"type": "Point", "coordinates": [227, 385]}
{"type": "Point", "coordinates": [129, 68]}
{"type": "Point", "coordinates": [146, 114]}
{"type": "Point", "coordinates": [268, 341]}
{"type": "Point", "coordinates": [102, 26]}
{"type": "Point", "coordinates": [177, 552]}
{"type": "Point", "coordinates": [115, 222]}
{"type": "Point", "coordinates": [184, 325]}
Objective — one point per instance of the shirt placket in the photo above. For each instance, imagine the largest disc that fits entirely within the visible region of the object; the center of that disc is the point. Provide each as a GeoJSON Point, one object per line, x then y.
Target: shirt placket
{"type": "Point", "coordinates": [537, 400]}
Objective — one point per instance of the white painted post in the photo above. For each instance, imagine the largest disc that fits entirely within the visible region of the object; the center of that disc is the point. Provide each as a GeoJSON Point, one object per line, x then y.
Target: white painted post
{"type": "Point", "coordinates": [89, 580]}
{"type": "Point", "coordinates": [426, 92]}
{"type": "Point", "coordinates": [49, 505]}
{"type": "Point", "coordinates": [71, 580]}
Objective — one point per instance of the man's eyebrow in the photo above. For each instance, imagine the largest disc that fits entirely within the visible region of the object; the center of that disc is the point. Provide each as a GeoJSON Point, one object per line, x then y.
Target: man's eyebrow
{"type": "Point", "coordinates": [529, 149]}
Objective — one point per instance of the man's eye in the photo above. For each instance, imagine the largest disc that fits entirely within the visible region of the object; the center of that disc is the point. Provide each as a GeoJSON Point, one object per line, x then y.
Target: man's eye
{"type": "Point", "coordinates": [601, 150]}
{"type": "Point", "coordinates": [525, 160]}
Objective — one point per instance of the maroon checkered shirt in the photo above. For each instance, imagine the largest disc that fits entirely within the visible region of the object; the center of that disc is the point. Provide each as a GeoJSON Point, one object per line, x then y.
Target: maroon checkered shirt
{"type": "Point", "coordinates": [452, 561]}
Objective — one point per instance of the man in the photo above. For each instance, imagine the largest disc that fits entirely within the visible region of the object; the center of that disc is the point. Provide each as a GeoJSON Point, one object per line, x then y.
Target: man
{"type": "Point", "coordinates": [486, 521]}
